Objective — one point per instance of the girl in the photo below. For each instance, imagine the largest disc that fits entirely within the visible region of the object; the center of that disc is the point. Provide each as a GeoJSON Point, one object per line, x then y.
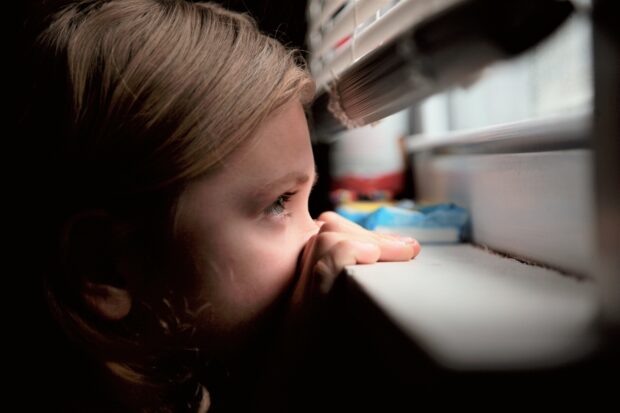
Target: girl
{"type": "Point", "coordinates": [173, 142]}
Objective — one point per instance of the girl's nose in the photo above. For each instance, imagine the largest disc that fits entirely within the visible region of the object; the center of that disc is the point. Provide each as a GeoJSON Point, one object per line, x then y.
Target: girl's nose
{"type": "Point", "coordinates": [318, 224]}
{"type": "Point", "coordinates": [311, 226]}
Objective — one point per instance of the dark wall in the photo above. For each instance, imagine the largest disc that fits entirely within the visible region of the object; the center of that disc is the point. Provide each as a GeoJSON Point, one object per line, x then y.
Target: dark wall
{"type": "Point", "coordinates": [282, 19]}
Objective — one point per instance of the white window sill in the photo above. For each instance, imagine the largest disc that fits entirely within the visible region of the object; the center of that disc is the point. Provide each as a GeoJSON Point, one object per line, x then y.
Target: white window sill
{"type": "Point", "coordinates": [470, 309]}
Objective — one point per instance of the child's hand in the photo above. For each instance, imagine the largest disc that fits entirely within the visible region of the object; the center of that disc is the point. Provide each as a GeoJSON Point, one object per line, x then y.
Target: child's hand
{"type": "Point", "coordinates": [338, 243]}
{"type": "Point", "coordinates": [301, 343]}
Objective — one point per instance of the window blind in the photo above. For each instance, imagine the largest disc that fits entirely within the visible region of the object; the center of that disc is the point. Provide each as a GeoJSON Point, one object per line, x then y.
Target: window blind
{"type": "Point", "coordinates": [373, 58]}
{"type": "Point", "coordinates": [344, 31]}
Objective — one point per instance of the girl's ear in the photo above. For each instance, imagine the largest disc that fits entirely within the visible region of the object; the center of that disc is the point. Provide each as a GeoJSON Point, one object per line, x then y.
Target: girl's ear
{"type": "Point", "coordinates": [96, 263]}
{"type": "Point", "coordinates": [108, 302]}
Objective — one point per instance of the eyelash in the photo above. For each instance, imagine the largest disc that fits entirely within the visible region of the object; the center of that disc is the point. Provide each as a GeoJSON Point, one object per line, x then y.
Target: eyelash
{"type": "Point", "coordinates": [278, 207]}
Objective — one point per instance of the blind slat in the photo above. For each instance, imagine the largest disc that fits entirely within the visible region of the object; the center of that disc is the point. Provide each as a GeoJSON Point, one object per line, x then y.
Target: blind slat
{"type": "Point", "coordinates": [419, 48]}
{"type": "Point", "coordinates": [395, 21]}
{"type": "Point", "coordinates": [347, 22]}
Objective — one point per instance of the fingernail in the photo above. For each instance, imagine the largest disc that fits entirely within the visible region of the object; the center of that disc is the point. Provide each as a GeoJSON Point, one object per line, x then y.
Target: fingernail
{"type": "Point", "coordinates": [401, 238]}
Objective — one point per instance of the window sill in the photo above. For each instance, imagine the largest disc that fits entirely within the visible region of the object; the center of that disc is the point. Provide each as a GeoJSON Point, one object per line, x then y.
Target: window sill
{"type": "Point", "coordinates": [470, 309]}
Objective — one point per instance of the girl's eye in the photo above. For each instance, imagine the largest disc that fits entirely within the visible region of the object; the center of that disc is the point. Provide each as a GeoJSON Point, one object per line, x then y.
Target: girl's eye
{"type": "Point", "coordinates": [279, 205]}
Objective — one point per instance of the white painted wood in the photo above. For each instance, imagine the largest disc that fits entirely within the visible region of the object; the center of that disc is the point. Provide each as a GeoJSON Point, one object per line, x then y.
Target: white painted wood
{"type": "Point", "coordinates": [535, 205]}
{"type": "Point", "coordinates": [474, 310]}
{"type": "Point", "coordinates": [555, 131]}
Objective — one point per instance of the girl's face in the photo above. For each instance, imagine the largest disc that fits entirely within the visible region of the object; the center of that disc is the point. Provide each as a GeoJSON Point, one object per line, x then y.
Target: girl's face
{"type": "Point", "coordinates": [242, 229]}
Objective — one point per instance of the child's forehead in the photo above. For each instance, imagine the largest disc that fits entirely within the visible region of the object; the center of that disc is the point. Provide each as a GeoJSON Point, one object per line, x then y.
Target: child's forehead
{"type": "Point", "coordinates": [281, 137]}
{"type": "Point", "coordinates": [279, 154]}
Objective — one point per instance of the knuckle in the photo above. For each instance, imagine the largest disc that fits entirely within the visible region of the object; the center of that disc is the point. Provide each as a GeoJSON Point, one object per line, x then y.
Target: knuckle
{"type": "Point", "coordinates": [322, 269]}
{"type": "Point", "coordinates": [344, 245]}
{"type": "Point", "coordinates": [325, 240]}
{"type": "Point", "coordinates": [329, 217]}
{"type": "Point", "coordinates": [330, 227]}
{"type": "Point", "coordinates": [325, 274]}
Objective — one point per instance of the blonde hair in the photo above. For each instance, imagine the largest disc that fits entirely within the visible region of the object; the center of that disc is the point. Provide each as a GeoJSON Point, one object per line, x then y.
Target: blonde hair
{"type": "Point", "coordinates": [139, 97]}
{"type": "Point", "coordinates": [137, 67]}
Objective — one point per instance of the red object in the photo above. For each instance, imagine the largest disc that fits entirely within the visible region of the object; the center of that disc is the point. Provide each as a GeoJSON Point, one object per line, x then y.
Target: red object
{"type": "Point", "coordinates": [392, 182]}
{"type": "Point", "coordinates": [342, 41]}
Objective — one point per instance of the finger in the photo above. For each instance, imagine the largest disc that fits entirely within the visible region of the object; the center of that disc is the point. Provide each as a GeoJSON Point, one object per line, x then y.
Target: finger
{"type": "Point", "coordinates": [395, 250]}
{"type": "Point", "coordinates": [343, 253]}
{"type": "Point", "coordinates": [391, 249]}
{"type": "Point", "coordinates": [333, 222]}
{"type": "Point", "coordinates": [322, 243]}
{"type": "Point", "coordinates": [337, 223]}
{"type": "Point", "coordinates": [415, 245]}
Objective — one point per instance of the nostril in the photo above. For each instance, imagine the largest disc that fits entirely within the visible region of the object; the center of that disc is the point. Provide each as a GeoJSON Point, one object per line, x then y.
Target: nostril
{"type": "Point", "coordinates": [318, 223]}
{"type": "Point", "coordinates": [315, 227]}
{"type": "Point", "coordinates": [312, 227]}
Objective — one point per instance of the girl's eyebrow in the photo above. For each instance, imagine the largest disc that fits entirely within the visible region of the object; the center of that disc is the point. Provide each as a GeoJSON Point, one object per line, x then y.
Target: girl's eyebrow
{"type": "Point", "coordinates": [295, 177]}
